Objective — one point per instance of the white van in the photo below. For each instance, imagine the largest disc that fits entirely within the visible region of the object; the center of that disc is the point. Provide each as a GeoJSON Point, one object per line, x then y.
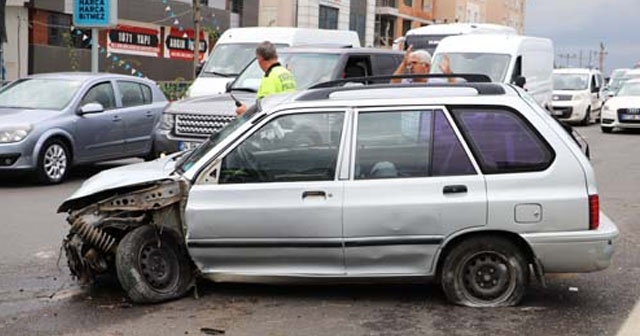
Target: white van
{"type": "Point", "coordinates": [428, 37]}
{"type": "Point", "coordinates": [577, 94]}
{"type": "Point", "coordinates": [508, 58]}
{"type": "Point", "coordinates": [236, 48]}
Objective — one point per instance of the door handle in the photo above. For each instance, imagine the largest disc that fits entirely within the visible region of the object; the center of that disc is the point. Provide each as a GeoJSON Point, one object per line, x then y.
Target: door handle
{"type": "Point", "coordinates": [116, 118]}
{"type": "Point", "coordinates": [454, 189]}
{"type": "Point", "coordinates": [149, 114]}
{"type": "Point", "coordinates": [314, 193]}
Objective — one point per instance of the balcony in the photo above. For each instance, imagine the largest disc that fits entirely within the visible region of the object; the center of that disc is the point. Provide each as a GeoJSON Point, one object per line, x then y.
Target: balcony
{"type": "Point", "coordinates": [387, 3]}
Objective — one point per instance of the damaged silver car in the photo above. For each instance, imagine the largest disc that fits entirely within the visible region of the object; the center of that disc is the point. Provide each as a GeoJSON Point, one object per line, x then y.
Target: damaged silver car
{"type": "Point", "coordinates": [470, 184]}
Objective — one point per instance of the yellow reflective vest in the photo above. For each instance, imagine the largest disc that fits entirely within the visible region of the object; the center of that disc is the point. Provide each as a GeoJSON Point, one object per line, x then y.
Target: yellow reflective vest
{"type": "Point", "coordinates": [277, 79]}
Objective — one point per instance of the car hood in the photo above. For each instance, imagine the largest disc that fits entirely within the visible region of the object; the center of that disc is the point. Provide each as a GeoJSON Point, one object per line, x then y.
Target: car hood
{"type": "Point", "coordinates": [211, 104]}
{"type": "Point", "coordinates": [125, 176]}
{"type": "Point", "coordinates": [206, 85]}
{"type": "Point", "coordinates": [13, 116]}
{"type": "Point", "coordinates": [623, 102]}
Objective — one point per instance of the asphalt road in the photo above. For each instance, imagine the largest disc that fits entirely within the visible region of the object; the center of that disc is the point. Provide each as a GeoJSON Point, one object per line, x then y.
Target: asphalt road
{"type": "Point", "coordinates": [38, 298]}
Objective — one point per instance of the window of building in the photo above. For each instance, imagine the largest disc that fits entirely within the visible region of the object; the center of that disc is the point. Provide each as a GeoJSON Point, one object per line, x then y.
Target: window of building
{"type": "Point", "coordinates": [328, 18]}
{"type": "Point", "coordinates": [502, 141]}
{"type": "Point", "coordinates": [406, 25]}
{"type": "Point", "coordinates": [358, 18]}
{"type": "Point", "coordinates": [408, 3]}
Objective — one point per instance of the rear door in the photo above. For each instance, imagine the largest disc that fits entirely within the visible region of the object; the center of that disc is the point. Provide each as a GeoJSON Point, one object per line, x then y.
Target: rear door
{"type": "Point", "coordinates": [412, 184]}
{"type": "Point", "coordinates": [100, 135]}
{"type": "Point", "coordinates": [272, 205]}
{"type": "Point", "coordinates": [138, 114]}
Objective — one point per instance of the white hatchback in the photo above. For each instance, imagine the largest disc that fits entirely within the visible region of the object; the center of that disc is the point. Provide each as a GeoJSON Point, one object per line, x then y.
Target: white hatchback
{"type": "Point", "coordinates": [471, 184]}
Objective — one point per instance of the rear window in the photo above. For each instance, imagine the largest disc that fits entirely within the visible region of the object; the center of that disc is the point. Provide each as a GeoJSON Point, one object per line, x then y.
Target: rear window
{"type": "Point", "coordinates": [502, 141]}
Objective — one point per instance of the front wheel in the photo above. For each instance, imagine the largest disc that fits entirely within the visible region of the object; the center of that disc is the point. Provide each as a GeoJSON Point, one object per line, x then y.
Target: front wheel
{"type": "Point", "coordinates": [485, 272]}
{"type": "Point", "coordinates": [153, 266]}
{"type": "Point", "coordinates": [53, 162]}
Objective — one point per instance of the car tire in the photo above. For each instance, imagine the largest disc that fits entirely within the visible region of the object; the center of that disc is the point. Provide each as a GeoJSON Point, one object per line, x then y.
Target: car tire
{"type": "Point", "coordinates": [587, 117]}
{"type": "Point", "coordinates": [53, 162]}
{"type": "Point", "coordinates": [606, 129]}
{"type": "Point", "coordinates": [153, 266]}
{"type": "Point", "coordinates": [485, 272]}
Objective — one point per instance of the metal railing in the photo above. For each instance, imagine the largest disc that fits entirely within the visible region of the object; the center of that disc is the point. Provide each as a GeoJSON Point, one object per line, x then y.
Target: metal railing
{"type": "Point", "coordinates": [387, 3]}
{"type": "Point", "coordinates": [174, 90]}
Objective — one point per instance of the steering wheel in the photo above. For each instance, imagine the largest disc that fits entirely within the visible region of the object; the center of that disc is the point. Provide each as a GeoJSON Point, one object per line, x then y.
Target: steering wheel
{"type": "Point", "coordinates": [247, 160]}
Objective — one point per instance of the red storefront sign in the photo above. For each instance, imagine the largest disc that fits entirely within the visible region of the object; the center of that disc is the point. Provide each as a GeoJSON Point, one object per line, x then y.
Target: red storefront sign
{"type": "Point", "coordinates": [179, 44]}
{"type": "Point", "coordinates": [134, 41]}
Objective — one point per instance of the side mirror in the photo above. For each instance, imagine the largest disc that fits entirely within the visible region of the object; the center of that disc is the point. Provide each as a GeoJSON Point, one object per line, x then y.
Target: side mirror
{"type": "Point", "coordinates": [90, 108]}
{"type": "Point", "coordinates": [520, 81]}
{"type": "Point", "coordinates": [227, 87]}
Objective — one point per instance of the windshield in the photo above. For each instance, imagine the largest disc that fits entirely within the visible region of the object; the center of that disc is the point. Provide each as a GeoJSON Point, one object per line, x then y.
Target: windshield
{"type": "Point", "coordinates": [629, 89]}
{"type": "Point", "coordinates": [43, 94]}
{"type": "Point", "coordinates": [307, 68]}
{"type": "Point", "coordinates": [493, 65]}
{"type": "Point", "coordinates": [425, 42]}
{"type": "Point", "coordinates": [229, 59]}
{"type": "Point", "coordinates": [187, 161]}
{"type": "Point", "coordinates": [571, 82]}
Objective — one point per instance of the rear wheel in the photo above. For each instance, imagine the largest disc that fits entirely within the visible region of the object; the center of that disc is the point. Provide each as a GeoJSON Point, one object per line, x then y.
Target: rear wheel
{"type": "Point", "coordinates": [485, 272]}
{"type": "Point", "coordinates": [587, 117]}
{"type": "Point", "coordinates": [152, 265]}
{"type": "Point", "coordinates": [53, 162]}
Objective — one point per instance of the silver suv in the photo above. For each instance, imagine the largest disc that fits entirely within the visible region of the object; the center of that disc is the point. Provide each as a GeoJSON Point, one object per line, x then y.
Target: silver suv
{"type": "Point", "coordinates": [471, 184]}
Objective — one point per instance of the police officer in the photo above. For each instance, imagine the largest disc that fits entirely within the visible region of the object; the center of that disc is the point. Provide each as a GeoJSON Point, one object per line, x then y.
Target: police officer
{"type": "Point", "coordinates": [276, 78]}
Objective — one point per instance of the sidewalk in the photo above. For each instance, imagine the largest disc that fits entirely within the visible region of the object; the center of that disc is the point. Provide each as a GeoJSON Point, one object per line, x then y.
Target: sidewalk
{"type": "Point", "coordinates": [631, 326]}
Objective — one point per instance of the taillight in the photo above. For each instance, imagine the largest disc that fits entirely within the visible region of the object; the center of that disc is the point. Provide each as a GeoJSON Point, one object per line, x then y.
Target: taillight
{"type": "Point", "coordinates": [594, 212]}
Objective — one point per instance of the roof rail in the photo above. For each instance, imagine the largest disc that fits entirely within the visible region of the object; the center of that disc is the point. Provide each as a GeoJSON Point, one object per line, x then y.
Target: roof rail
{"type": "Point", "coordinates": [469, 78]}
{"type": "Point", "coordinates": [325, 92]}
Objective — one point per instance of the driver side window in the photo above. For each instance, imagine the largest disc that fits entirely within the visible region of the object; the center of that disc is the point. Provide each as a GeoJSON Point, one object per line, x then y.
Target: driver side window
{"type": "Point", "coordinates": [291, 148]}
{"type": "Point", "coordinates": [101, 93]}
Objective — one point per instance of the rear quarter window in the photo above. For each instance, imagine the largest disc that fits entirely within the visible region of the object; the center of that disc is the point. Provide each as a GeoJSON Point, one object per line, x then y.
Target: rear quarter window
{"type": "Point", "coordinates": [503, 141]}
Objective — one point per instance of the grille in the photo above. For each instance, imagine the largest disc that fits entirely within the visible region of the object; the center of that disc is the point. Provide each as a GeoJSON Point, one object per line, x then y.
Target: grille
{"type": "Point", "coordinates": [562, 97]}
{"type": "Point", "coordinates": [200, 125]}
{"type": "Point", "coordinates": [631, 116]}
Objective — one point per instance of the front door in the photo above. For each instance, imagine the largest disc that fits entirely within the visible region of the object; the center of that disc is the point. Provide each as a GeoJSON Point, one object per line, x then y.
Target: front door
{"type": "Point", "coordinates": [412, 185]}
{"type": "Point", "coordinates": [273, 205]}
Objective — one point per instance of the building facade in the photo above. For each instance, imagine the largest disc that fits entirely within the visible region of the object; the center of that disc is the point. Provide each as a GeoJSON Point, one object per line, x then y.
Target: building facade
{"type": "Point", "coordinates": [505, 12]}
{"type": "Point", "coordinates": [395, 17]}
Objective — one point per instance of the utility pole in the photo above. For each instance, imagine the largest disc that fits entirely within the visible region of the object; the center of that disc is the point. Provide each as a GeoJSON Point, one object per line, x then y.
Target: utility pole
{"type": "Point", "coordinates": [601, 54]}
{"type": "Point", "coordinates": [196, 37]}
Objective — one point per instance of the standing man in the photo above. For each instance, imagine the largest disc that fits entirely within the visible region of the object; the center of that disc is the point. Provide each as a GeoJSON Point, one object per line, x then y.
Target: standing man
{"type": "Point", "coordinates": [419, 63]}
{"type": "Point", "coordinates": [276, 78]}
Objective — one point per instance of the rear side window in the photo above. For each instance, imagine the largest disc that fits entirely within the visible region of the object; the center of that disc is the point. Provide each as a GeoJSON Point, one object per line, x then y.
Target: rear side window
{"type": "Point", "coordinates": [502, 141]}
{"type": "Point", "coordinates": [404, 144]}
{"type": "Point", "coordinates": [132, 94]}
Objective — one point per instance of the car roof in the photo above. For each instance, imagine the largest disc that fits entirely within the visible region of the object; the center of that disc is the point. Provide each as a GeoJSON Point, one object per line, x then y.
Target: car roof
{"type": "Point", "coordinates": [85, 76]}
{"type": "Point", "coordinates": [574, 71]}
{"type": "Point", "coordinates": [372, 94]}
{"type": "Point", "coordinates": [314, 49]}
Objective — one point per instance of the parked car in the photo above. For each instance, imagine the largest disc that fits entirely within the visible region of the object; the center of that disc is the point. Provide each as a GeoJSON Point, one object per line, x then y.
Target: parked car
{"type": "Point", "coordinates": [50, 122]}
{"type": "Point", "coordinates": [615, 81]}
{"type": "Point", "coordinates": [471, 184]}
{"type": "Point", "coordinates": [577, 95]}
{"type": "Point", "coordinates": [188, 122]}
{"type": "Point", "coordinates": [623, 110]}
{"type": "Point", "coordinates": [235, 49]}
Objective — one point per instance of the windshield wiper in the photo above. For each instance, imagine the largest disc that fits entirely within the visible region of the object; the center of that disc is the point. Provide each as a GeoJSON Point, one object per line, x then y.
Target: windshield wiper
{"type": "Point", "coordinates": [221, 74]}
{"type": "Point", "coordinates": [245, 89]}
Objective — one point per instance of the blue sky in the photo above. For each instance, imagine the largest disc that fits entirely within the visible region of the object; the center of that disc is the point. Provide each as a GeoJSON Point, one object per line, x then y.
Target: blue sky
{"type": "Point", "coordinates": [580, 25]}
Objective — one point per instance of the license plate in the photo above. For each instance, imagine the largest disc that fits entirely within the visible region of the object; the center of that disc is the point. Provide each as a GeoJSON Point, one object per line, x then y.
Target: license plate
{"type": "Point", "coordinates": [187, 145]}
{"type": "Point", "coordinates": [630, 117]}
{"type": "Point", "coordinates": [557, 112]}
